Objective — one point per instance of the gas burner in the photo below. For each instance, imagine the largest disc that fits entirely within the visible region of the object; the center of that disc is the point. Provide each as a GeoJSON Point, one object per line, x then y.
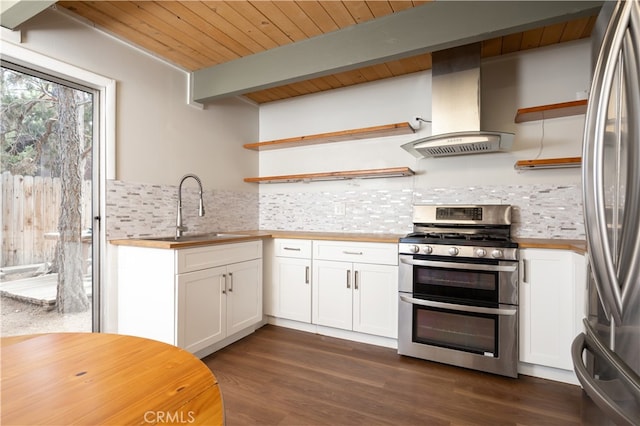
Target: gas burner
{"type": "Point", "coordinates": [456, 238]}
{"type": "Point", "coordinates": [461, 231]}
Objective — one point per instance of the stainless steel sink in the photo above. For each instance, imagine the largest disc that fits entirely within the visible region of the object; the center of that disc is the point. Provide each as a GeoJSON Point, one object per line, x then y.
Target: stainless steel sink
{"type": "Point", "coordinates": [197, 237]}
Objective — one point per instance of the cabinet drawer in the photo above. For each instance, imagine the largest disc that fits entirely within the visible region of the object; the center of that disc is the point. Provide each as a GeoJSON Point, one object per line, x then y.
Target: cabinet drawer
{"type": "Point", "coordinates": [197, 258]}
{"type": "Point", "coordinates": [380, 253]}
{"type": "Point", "coordinates": [293, 248]}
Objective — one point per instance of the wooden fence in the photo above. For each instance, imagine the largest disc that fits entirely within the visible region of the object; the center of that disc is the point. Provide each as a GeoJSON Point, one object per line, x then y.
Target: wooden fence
{"type": "Point", "coordinates": [30, 209]}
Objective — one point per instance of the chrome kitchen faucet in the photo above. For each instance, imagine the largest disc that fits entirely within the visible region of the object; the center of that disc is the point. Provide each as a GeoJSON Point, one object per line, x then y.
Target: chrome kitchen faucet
{"type": "Point", "coordinates": [179, 227]}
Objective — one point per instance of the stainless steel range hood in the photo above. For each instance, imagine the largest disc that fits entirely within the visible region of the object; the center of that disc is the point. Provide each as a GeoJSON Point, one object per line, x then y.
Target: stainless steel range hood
{"type": "Point", "coordinates": [455, 108]}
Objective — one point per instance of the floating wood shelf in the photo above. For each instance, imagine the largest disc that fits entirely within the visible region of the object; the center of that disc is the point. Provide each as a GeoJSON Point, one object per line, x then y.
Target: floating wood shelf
{"type": "Point", "coordinates": [350, 174]}
{"type": "Point", "coordinates": [548, 163]}
{"type": "Point", "coordinates": [340, 136]}
{"type": "Point", "coordinates": [563, 109]}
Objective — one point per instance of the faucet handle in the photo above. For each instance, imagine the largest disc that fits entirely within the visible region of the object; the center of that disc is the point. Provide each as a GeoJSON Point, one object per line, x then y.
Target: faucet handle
{"type": "Point", "coordinates": [180, 229]}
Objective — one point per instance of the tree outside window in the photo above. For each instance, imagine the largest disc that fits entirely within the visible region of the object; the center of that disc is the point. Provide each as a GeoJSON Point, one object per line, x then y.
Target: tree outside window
{"type": "Point", "coordinates": [46, 130]}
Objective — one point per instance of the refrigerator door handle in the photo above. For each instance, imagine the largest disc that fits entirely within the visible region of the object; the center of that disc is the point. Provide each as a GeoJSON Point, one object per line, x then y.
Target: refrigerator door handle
{"type": "Point", "coordinates": [598, 242]}
{"type": "Point", "coordinates": [631, 381]}
{"type": "Point", "coordinates": [629, 258]}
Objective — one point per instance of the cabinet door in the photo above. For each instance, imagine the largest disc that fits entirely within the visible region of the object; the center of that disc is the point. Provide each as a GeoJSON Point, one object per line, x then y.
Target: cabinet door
{"type": "Point", "coordinates": [547, 307]}
{"type": "Point", "coordinates": [201, 308]}
{"type": "Point", "coordinates": [244, 295]}
{"type": "Point", "coordinates": [332, 294]}
{"type": "Point", "coordinates": [292, 282]}
{"type": "Point", "coordinates": [375, 299]}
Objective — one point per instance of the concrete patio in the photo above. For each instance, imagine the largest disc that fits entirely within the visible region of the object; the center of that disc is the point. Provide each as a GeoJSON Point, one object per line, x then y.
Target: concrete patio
{"type": "Point", "coordinates": [39, 290]}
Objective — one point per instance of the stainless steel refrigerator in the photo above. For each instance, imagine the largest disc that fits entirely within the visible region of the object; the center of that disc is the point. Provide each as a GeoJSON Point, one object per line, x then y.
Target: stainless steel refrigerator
{"type": "Point", "coordinates": [606, 356]}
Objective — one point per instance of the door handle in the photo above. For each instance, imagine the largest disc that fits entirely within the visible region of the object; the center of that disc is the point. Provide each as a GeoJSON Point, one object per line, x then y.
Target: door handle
{"type": "Point", "coordinates": [588, 341]}
{"type": "Point", "coordinates": [306, 275]}
{"type": "Point", "coordinates": [355, 280]}
{"type": "Point", "coordinates": [224, 283]}
{"type": "Point", "coordinates": [465, 266]}
{"type": "Point", "coordinates": [348, 279]}
{"type": "Point", "coordinates": [230, 281]}
{"type": "Point", "coordinates": [619, 49]}
{"type": "Point", "coordinates": [461, 308]}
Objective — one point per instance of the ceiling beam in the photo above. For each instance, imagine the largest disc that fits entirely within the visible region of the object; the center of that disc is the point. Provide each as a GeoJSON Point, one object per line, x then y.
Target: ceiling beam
{"type": "Point", "coordinates": [15, 12]}
{"type": "Point", "coordinates": [430, 27]}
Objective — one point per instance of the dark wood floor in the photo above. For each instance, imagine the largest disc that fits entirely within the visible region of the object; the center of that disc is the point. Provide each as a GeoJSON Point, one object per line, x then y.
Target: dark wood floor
{"type": "Point", "coordinates": [279, 376]}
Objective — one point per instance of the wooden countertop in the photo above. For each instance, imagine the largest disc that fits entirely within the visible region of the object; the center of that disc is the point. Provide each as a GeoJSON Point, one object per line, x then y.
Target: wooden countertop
{"type": "Point", "coordinates": [338, 236]}
{"type": "Point", "coordinates": [579, 246]}
{"type": "Point", "coordinates": [254, 235]}
{"type": "Point", "coordinates": [104, 379]}
{"type": "Point", "coordinates": [150, 242]}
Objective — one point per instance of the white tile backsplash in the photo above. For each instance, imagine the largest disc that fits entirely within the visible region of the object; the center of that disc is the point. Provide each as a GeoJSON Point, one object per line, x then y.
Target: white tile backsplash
{"type": "Point", "coordinates": [143, 210]}
{"type": "Point", "coordinates": [138, 210]}
{"type": "Point", "coordinates": [540, 211]}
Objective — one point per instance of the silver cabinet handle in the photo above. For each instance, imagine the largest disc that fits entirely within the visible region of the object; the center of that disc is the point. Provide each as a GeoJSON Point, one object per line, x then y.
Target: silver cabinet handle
{"type": "Point", "coordinates": [291, 248]}
{"type": "Point", "coordinates": [524, 271]}
{"type": "Point", "coordinates": [230, 281]}
{"type": "Point", "coordinates": [355, 280]}
{"type": "Point", "coordinates": [306, 275]}
{"type": "Point", "coordinates": [461, 308]}
{"type": "Point", "coordinates": [348, 279]}
{"type": "Point", "coordinates": [357, 253]}
{"type": "Point", "coordinates": [224, 283]}
{"type": "Point", "coordinates": [466, 266]}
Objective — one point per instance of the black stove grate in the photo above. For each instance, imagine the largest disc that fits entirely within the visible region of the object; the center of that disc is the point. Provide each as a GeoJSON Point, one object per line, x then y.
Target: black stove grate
{"type": "Point", "coordinates": [460, 239]}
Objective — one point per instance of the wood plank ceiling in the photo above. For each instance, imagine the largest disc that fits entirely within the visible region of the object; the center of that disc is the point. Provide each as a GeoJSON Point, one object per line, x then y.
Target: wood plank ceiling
{"type": "Point", "coordinates": [200, 34]}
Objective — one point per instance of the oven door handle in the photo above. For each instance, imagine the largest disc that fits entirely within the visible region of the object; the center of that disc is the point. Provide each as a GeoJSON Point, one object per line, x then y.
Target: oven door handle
{"type": "Point", "coordinates": [456, 307]}
{"type": "Point", "coordinates": [466, 266]}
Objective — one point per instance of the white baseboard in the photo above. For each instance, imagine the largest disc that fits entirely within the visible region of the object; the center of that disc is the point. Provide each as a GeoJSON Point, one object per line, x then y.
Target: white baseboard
{"type": "Point", "coordinates": [335, 332]}
{"type": "Point", "coordinates": [227, 341]}
{"type": "Point", "coordinates": [549, 373]}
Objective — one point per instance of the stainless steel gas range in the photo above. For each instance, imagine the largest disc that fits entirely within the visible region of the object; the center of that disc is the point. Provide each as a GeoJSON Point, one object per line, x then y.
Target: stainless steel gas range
{"type": "Point", "coordinates": [458, 282]}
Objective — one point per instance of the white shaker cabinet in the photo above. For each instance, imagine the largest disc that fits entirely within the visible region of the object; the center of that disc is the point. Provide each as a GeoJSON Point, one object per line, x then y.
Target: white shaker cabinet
{"type": "Point", "coordinates": [289, 295]}
{"type": "Point", "coordinates": [552, 291]}
{"type": "Point", "coordinates": [217, 302]}
{"type": "Point", "coordinates": [192, 297]}
{"type": "Point", "coordinates": [355, 286]}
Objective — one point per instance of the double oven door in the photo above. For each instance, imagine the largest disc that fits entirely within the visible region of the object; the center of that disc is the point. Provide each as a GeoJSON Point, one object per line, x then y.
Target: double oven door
{"type": "Point", "coordinates": [459, 311]}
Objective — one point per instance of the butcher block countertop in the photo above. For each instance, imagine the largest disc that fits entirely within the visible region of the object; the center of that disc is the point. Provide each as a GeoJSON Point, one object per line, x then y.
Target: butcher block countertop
{"type": "Point", "coordinates": [579, 246]}
{"type": "Point", "coordinates": [338, 236]}
{"type": "Point", "coordinates": [104, 379]}
{"type": "Point", "coordinates": [240, 236]}
{"type": "Point", "coordinates": [226, 238]}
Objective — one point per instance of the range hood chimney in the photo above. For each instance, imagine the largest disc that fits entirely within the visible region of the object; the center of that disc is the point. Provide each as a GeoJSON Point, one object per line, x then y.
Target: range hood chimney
{"type": "Point", "coordinates": [455, 108]}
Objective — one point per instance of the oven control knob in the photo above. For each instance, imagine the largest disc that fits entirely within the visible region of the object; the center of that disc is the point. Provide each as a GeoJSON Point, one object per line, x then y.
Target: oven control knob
{"type": "Point", "coordinates": [496, 253]}
{"type": "Point", "coordinates": [414, 249]}
{"type": "Point", "coordinates": [453, 251]}
{"type": "Point", "coordinates": [481, 252]}
{"type": "Point", "coordinates": [427, 250]}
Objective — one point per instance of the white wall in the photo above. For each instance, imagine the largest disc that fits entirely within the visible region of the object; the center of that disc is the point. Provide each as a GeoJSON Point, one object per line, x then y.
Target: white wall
{"type": "Point", "coordinates": [159, 137]}
{"type": "Point", "coordinates": [541, 76]}
{"type": "Point", "coordinates": [370, 104]}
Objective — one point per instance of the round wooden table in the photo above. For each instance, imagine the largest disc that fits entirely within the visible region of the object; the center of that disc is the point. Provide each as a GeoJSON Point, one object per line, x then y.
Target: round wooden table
{"type": "Point", "coordinates": [104, 379]}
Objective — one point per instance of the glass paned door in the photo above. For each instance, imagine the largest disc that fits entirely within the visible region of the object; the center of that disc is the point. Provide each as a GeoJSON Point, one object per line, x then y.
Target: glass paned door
{"type": "Point", "coordinates": [47, 135]}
